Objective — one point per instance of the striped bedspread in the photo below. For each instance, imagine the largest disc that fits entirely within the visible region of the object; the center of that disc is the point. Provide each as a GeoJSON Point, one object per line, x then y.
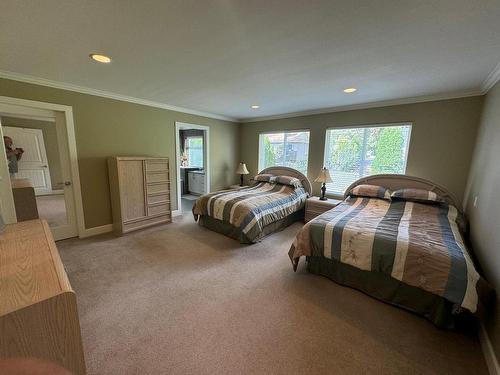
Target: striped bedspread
{"type": "Point", "coordinates": [417, 244]}
{"type": "Point", "coordinates": [252, 208]}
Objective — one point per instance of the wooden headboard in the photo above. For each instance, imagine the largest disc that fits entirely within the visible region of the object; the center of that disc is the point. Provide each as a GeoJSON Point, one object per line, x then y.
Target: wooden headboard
{"type": "Point", "coordinates": [285, 171]}
{"type": "Point", "coordinates": [401, 181]}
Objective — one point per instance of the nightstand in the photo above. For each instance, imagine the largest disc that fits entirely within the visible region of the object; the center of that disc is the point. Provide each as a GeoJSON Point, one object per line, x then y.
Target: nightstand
{"type": "Point", "coordinates": [315, 207]}
{"type": "Point", "coordinates": [238, 187]}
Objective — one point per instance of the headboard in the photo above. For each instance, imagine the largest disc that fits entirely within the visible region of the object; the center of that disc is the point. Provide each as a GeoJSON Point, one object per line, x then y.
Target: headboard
{"type": "Point", "coordinates": [401, 181]}
{"type": "Point", "coordinates": [285, 171]}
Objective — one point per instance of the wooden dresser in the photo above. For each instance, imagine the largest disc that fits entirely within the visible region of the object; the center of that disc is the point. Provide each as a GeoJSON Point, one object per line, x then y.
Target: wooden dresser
{"type": "Point", "coordinates": [140, 192]}
{"type": "Point", "coordinates": [38, 312]}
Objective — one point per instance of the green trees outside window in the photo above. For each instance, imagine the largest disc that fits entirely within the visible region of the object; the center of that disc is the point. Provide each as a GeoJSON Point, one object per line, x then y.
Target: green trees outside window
{"type": "Point", "coordinates": [352, 153]}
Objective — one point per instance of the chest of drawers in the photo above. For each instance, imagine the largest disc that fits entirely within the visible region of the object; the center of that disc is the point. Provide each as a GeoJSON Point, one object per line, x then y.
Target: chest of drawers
{"type": "Point", "coordinates": [140, 192]}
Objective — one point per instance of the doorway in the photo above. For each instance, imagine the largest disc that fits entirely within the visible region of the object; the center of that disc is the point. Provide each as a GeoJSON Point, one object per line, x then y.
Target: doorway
{"type": "Point", "coordinates": [192, 160]}
{"type": "Point", "coordinates": [37, 174]}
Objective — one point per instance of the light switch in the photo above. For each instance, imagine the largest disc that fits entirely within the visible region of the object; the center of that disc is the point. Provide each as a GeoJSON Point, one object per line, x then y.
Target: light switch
{"type": "Point", "coordinates": [475, 201]}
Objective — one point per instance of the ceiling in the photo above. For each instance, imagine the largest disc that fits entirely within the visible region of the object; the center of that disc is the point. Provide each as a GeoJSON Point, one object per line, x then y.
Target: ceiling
{"type": "Point", "coordinates": [221, 56]}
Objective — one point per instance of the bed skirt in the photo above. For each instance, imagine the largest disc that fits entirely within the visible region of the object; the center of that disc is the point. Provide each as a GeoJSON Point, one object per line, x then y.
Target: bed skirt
{"type": "Point", "coordinates": [434, 308]}
{"type": "Point", "coordinates": [229, 230]}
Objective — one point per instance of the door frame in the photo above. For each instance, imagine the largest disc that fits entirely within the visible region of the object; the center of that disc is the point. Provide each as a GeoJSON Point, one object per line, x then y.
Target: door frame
{"type": "Point", "coordinates": [38, 110]}
{"type": "Point", "coordinates": [206, 157]}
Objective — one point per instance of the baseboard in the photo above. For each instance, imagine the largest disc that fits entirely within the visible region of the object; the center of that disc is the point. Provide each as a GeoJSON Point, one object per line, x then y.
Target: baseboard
{"type": "Point", "coordinates": [52, 192]}
{"type": "Point", "coordinates": [97, 230]}
{"type": "Point", "coordinates": [89, 232]}
{"type": "Point", "coordinates": [488, 352]}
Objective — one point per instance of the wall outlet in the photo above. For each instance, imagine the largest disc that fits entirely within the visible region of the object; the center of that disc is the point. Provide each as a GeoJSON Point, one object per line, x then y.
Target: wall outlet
{"type": "Point", "coordinates": [475, 201]}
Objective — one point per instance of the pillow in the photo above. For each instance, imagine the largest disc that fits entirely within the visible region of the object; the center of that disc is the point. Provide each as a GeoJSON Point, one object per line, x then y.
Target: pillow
{"type": "Point", "coordinates": [288, 180]}
{"type": "Point", "coordinates": [372, 191]}
{"type": "Point", "coordinates": [417, 195]}
{"type": "Point", "coordinates": [265, 177]}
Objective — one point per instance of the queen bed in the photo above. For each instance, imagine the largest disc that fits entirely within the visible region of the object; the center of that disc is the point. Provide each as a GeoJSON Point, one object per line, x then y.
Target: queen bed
{"type": "Point", "coordinates": [275, 201]}
{"type": "Point", "coordinates": [399, 239]}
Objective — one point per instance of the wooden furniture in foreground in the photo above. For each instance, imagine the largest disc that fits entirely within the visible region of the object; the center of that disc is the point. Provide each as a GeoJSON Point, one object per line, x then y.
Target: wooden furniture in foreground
{"type": "Point", "coordinates": [315, 207]}
{"type": "Point", "coordinates": [140, 192]}
{"type": "Point", "coordinates": [24, 199]}
{"type": "Point", "coordinates": [38, 312]}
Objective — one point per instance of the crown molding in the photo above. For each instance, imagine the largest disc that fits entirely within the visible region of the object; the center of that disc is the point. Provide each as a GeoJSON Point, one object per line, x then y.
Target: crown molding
{"type": "Point", "coordinates": [384, 103]}
{"type": "Point", "coordinates": [491, 80]}
{"type": "Point", "coordinates": [106, 94]}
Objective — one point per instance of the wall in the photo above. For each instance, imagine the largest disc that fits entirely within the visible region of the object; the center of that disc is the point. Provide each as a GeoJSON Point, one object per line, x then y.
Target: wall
{"type": "Point", "coordinates": [441, 145]}
{"type": "Point", "coordinates": [49, 139]}
{"type": "Point", "coordinates": [484, 183]}
{"type": "Point", "coordinates": [106, 127]}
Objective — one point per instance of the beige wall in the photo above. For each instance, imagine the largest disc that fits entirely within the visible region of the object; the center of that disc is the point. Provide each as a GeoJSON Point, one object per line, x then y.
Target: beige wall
{"type": "Point", "coordinates": [106, 127]}
{"type": "Point", "coordinates": [484, 183]}
{"type": "Point", "coordinates": [49, 139]}
{"type": "Point", "coordinates": [440, 149]}
{"type": "Point", "coordinates": [441, 144]}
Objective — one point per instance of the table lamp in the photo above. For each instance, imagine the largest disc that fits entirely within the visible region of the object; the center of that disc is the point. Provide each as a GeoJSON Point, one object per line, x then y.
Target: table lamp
{"type": "Point", "coordinates": [241, 170]}
{"type": "Point", "coordinates": [324, 177]}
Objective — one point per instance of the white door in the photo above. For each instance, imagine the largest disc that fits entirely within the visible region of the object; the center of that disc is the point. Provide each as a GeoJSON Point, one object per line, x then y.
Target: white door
{"type": "Point", "coordinates": [33, 164]}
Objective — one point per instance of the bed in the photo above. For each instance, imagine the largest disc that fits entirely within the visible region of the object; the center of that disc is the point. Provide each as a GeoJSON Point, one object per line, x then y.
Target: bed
{"type": "Point", "coordinates": [251, 213]}
{"type": "Point", "coordinates": [406, 253]}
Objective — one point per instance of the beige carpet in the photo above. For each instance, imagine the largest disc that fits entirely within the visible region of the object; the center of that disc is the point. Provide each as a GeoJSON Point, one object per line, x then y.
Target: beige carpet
{"type": "Point", "coordinates": [179, 299]}
{"type": "Point", "coordinates": [52, 208]}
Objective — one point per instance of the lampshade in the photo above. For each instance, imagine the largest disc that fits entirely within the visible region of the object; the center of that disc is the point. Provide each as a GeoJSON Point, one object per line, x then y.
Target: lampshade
{"type": "Point", "coordinates": [324, 176]}
{"type": "Point", "coordinates": [242, 169]}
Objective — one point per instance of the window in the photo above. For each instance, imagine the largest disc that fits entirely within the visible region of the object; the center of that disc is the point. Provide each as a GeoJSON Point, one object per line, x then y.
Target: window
{"type": "Point", "coordinates": [194, 151]}
{"type": "Point", "coordinates": [352, 153]}
{"type": "Point", "coordinates": [289, 149]}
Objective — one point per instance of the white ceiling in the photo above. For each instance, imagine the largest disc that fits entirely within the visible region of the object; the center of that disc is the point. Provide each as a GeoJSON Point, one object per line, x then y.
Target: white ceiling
{"type": "Point", "coordinates": [222, 56]}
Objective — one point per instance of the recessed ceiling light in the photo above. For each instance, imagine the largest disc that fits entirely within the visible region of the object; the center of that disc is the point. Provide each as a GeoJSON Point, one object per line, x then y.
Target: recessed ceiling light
{"type": "Point", "coordinates": [350, 90]}
{"type": "Point", "coordinates": [100, 58]}
{"type": "Point", "coordinates": [255, 106]}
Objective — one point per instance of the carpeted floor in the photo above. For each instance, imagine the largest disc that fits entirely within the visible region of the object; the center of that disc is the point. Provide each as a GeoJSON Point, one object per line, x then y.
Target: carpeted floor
{"type": "Point", "coordinates": [52, 208]}
{"type": "Point", "coordinates": [179, 299]}
{"type": "Point", "coordinates": [187, 205]}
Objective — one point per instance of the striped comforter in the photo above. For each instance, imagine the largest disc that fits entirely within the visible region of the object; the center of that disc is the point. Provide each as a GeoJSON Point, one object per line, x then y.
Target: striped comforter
{"type": "Point", "coordinates": [250, 209]}
{"type": "Point", "coordinates": [417, 244]}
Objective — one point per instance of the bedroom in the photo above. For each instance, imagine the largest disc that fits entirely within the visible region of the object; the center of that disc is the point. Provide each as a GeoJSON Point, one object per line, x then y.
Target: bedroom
{"type": "Point", "coordinates": [182, 298]}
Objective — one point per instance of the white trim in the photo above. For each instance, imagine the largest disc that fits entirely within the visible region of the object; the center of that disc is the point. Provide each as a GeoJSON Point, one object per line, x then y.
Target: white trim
{"type": "Point", "coordinates": [54, 192]}
{"type": "Point", "coordinates": [96, 231]}
{"type": "Point", "coordinates": [362, 126]}
{"type": "Point", "coordinates": [176, 213]}
{"type": "Point", "coordinates": [491, 80]}
{"type": "Point", "coordinates": [29, 117]}
{"type": "Point", "coordinates": [206, 157]}
{"type": "Point", "coordinates": [67, 112]}
{"type": "Point", "coordinates": [259, 161]}
{"type": "Point", "coordinates": [75, 172]}
{"type": "Point", "coordinates": [31, 113]}
{"type": "Point", "coordinates": [488, 352]}
{"type": "Point", "coordinates": [7, 206]}
{"type": "Point", "coordinates": [384, 103]}
{"type": "Point", "coordinates": [107, 94]}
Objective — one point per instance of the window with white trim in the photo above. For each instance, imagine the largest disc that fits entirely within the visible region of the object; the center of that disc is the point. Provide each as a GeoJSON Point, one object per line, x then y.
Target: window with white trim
{"type": "Point", "coordinates": [287, 148]}
{"type": "Point", "coordinates": [194, 151]}
{"type": "Point", "coordinates": [352, 153]}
